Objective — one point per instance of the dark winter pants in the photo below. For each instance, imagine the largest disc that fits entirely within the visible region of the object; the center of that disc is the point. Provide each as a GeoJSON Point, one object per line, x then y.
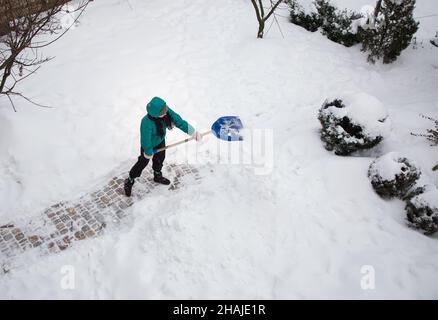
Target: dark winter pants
{"type": "Point", "coordinates": [142, 162]}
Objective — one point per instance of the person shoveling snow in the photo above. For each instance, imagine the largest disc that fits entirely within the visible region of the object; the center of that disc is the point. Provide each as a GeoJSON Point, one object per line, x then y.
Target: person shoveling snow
{"type": "Point", "coordinates": [153, 129]}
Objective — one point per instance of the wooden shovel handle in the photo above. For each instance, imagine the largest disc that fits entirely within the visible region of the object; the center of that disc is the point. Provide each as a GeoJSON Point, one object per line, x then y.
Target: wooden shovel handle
{"type": "Point", "coordinates": [180, 142]}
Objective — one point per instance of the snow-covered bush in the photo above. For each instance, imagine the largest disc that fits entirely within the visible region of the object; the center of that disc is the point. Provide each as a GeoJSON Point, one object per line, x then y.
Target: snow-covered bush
{"type": "Point", "coordinates": [392, 31]}
{"type": "Point", "coordinates": [334, 24]}
{"type": "Point", "coordinates": [337, 24]}
{"type": "Point", "coordinates": [392, 175]}
{"type": "Point", "coordinates": [422, 208]}
{"type": "Point", "coordinates": [355, 122]}
{"type": "Point", "coordinates": [310, 21]}
{"type": "Point", "coordinates": [434, 40]}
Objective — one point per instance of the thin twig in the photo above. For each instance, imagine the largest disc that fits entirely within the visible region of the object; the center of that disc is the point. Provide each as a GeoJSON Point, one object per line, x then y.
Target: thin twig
{"type": "Point", "coordinates": [12, 103]}
{"type": "Point", "coordinates": [278, 24]}
{"type": "Point", "coordinates": [28, 99]}
{"type": "Point", "coordinates": [273, 9]}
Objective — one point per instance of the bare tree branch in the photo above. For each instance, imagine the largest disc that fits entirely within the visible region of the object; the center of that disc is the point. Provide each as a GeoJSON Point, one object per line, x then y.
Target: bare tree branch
{"type": "Point", "coordinates": [25, 98]}
{"type": "Point", "coordinates": [273, 9]}
{"type": "Point", "coordinates": [276, 21]}
{"type": "Point", "coordinates": [12, 103]}
{"type": "Point", "coordinates": [19, 47]}
{"type": "Point", "coordinates": [257, 10]}
{"type": "Point", "coordinates": [260, 14]}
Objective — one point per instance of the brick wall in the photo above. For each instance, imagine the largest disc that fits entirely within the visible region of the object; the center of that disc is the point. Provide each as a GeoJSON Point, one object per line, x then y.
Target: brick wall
{"type": "Point", "coordinates": [19, 8]}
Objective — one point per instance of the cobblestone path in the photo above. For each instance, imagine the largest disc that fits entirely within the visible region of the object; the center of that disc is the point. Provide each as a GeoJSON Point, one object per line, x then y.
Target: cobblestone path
{"type": "Point", "coordinates": [60, 225]}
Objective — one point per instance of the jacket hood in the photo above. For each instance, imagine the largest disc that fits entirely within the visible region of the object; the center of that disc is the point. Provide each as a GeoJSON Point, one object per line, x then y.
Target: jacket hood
{"type": "Point", "coordinates": [154, 106]}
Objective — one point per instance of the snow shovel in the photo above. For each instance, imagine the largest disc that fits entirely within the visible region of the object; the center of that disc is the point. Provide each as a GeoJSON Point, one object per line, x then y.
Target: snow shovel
{"type": "Point", "coordinates": [225, 128]}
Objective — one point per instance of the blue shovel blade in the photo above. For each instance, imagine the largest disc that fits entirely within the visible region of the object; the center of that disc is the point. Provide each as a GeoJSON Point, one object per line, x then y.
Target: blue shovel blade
{"type": "Point", "coordinates": [228, 128]}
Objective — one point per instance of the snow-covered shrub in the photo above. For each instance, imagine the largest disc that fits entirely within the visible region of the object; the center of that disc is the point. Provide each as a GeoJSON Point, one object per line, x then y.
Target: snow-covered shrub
{"type": "Point", "coordinates": [433, 41]}
{"type": "Point", "coordinates": [310, 21]}
{"type": "Point", "coordinates": [355, 122]}
{"type": "Point", "coordinates": [422, 208]}
{"type": "Point", "coordinates": [392, 31]}
{"type": "Point", "coordinates": [334, 24]}
{"type": "Point", "coordinates": [337, 24]}
{"type": "Point", "coordinates": [392, 175]}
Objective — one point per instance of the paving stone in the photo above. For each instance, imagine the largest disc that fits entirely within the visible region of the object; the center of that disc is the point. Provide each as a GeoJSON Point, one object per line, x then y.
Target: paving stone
{"type": "Point", "coordinates": [24, 244]}
{"type": "Point", "coordinates": [54, 235]}
{"type": "Point", "coordinates": [19, 236]}
{"type": "Point", "coordinates": [33, 239]}
{"type": "Point", "coordinates": [99, 217]}
{"type": "Point", "coordinates": [81, 222]}
{"type": "Point", "coordinates": [61, 245]}
{"type": "Point", "coordinates": [37, 244]}
{"type": "Point", "coordinates": [79, 235]}
{"type": "Point", "coordinates": [51, 214]}
{"type": "Point", "coordinates": [75, 217]}
{"type": "Point", "coordinates": [60, 226]}
{"type": "Point", "coordinates": [51, 247]}
{"type": "Point", "coordinates": [90, 234]}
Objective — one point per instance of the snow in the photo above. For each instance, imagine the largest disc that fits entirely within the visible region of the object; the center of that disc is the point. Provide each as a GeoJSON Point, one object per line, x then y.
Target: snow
{"type": "Point", "coordinates": [397, 1]}
{"type": "Point", "coordinates": [366, 21]}
{"type": "Point", "coordinates": [295, 222]}
{"type": "Point", "coordinates": [428, 198]}
{"type": "Point", "coordinates": [387, 166]}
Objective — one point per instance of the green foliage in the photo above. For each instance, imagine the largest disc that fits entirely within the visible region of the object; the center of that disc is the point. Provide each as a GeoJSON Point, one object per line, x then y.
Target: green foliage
{"type": "Point", "coordinates": [311, 22]}
{"type": "Point", "coordinates": [392, 33]}
{"type": "Point", "coordinates": [388, 35]}
{"type": "Point", "coordinates": [337, 24]}
{"type": "Point", "coordinates": [334, 24]}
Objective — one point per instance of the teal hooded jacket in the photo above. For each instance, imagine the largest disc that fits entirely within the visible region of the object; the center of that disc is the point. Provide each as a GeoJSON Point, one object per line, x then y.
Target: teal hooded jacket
{"type": "Point", "coordinates": [149, 137]}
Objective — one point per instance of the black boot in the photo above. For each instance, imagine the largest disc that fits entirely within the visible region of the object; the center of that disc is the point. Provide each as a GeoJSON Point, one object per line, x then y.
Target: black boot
{"type": "Point", "coordinates": [158, 177]}
{"type": "Point", "coordinates": [128, 186]}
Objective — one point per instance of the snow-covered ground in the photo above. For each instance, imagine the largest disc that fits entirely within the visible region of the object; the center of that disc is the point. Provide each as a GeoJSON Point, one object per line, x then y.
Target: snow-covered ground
{"type": "Point", "coordinates": [298, 223]}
